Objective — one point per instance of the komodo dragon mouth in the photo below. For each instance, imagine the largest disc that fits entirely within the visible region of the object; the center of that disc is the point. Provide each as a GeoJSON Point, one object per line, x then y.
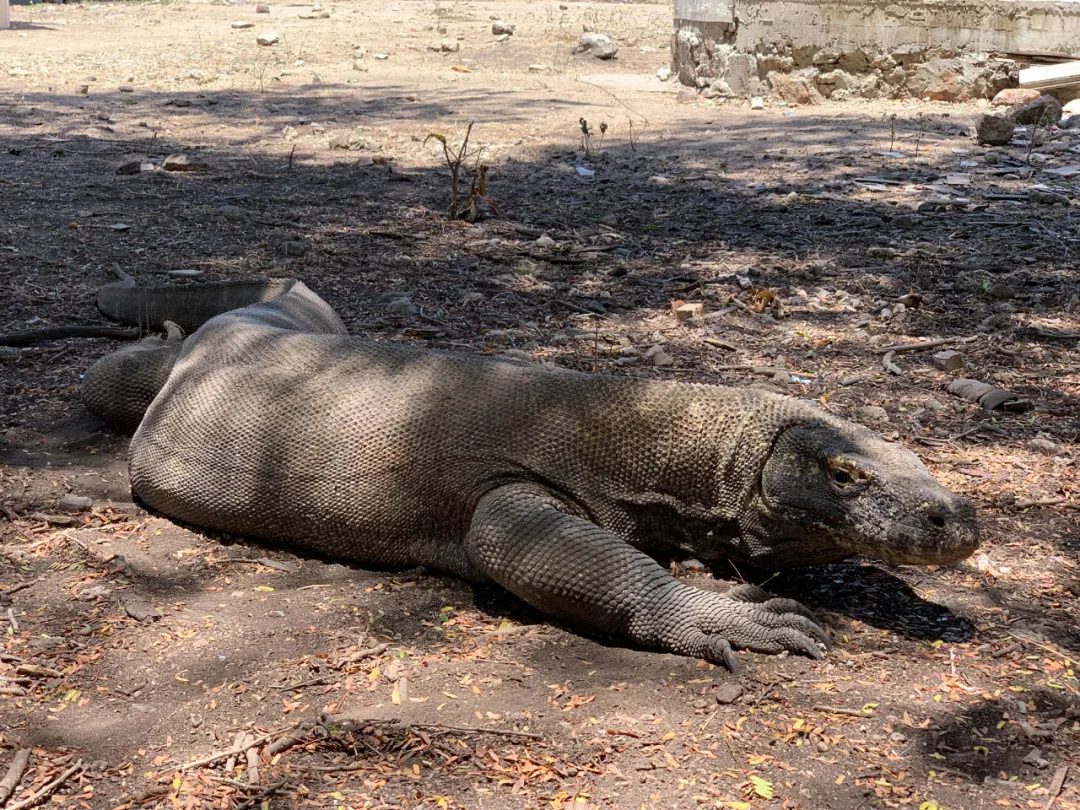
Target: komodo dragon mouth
{"type": "Point", "coordinates": [271, 422]}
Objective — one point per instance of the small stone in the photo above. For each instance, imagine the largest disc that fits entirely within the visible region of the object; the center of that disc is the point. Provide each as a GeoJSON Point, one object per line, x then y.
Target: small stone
{"type": "Point", "coordinates": [757, 103]}
{"type": "Point", "coordinates": [728, 692]}
{"type": "Point", "coordinates": [1041, 197]}
{"type": "Point", "coordinates": [449, 46]}
{"type": "Point", "coordinates": [92, 592]}
{"type": "Point", "coordinates": [663, 74]}
{"type": "Point", "coordinates": [599, 45]}
{"type": "Point", "coordinates": [472, 298]}
{"type": "Point", "coordinates": [872, 413]}
{"type": "Point", "coordinates": [268, 38]}
{"type": "Point", "coordinates": [185, 273]}
{"type": "Point", "coordinates": [180, 163]}
{"type": "Point", "coordinates": [9, 354]}
{"type": "Point", "coordinates": [500, 27]}
{"type": "Point", "coordinates": [130, 167]}
{"type": "Point", "coordinates": [239, 25]}
{"type": "Point", "coordinates": [1001, 291]}
{"type": "Point", "coordinates": [994, 130]}
{"type": "Point", "coordinates": [140, 609]}
{"type": "Point", "coordinates": [83, 89]}
{"type": "Point", "coordinates": [1072, 122]}
{"type": "Point", "coordinates": [685, 311]}
{"type": "Point", "coordinates": [1043, 112]}
{"type": "Point", "coordinates": [1035, 757]}
{"type": "Point", "coordinates": [1015, 95]}
{"type": "Point", "coordinates": [262, 8]}
{"type": "Point", "coordinates": [126, 88]}
{"type": "Point", "coordinates": [358, 65]}
{"type": "Point", "coordinates": [294, 248]}
{"type": "Point", "coordinates": [933, 405]}
{"type": "Point", "coordinates": [898, 737]}
{"type": "Point", "coordinates": [692, 565]}
{"type": "Point", "coordinates": [659, 357]}
{"type": "Point", "coordinates": [75, 503]}
{"type": "Point", "coordinates": [538, 68]}
{"type": "Point", "coordinates": [545, 241]}
{"type": "Point", "coordinates": [382, 57]}
{"type": "Point", "coordinates": [1041, 444]}
{"type": "Point", "coordinates": [949, 361]}
{"type": "Point", "coordinates": [401, 308]}
{"type": "Point", "coordinates": [610, 220]}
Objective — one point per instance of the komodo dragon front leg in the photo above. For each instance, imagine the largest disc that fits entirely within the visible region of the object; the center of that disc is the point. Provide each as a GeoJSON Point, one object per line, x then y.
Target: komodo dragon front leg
{"type": "Point", "coordinates": [532, 544]}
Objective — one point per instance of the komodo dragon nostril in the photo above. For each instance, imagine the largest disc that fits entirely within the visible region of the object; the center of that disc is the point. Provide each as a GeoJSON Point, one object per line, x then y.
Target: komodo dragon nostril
{"type": "Point", "coordinates": [936, 520]}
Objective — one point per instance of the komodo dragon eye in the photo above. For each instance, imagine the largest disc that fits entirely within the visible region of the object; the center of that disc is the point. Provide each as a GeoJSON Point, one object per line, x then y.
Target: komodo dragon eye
{"type": "Point", "coordinates": [844, 476]}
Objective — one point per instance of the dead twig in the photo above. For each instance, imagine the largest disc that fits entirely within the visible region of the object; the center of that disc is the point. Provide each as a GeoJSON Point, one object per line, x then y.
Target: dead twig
{"type": "Point", "coordinates": [842, 710]}
{"type": "Point", "coordinates": [891, 367]}
{"type": "Point", "coordinates": [61, 332]}
{"type": "Point", "coordinates": [476, 730]}
{"type": "Point", "coordinates": [14, 774]}
{"type": "Point", "coordinates": [924, 344]}
{"type": "Point", "coordinates": [232, 752]}
{"type": "Point", "coordinates": [269, 790]}
{"type": "Point", "coordinates": [49, 789]}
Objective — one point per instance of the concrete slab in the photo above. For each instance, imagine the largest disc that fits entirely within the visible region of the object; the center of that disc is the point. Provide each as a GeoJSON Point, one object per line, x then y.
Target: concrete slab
{"type": "Point", "coordinates": [731, 46]}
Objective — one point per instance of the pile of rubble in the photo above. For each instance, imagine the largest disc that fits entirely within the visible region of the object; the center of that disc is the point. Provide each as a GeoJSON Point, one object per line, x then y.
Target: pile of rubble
{"type": "Point", "coordinates": [806, 75]}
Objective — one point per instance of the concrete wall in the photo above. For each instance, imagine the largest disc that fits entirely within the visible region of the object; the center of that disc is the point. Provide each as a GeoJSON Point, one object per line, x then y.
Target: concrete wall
{"type": "Point", "coordinates": [864, 47]}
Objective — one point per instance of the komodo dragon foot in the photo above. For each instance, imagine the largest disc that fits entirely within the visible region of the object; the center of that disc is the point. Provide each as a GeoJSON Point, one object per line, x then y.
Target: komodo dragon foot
{"type": "Point", "coordinates": [532, 544]}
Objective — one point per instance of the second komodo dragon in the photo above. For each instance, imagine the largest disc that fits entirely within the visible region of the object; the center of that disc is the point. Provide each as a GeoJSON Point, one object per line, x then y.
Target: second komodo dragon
{"type": "Point", "coordinates": [271, 422]}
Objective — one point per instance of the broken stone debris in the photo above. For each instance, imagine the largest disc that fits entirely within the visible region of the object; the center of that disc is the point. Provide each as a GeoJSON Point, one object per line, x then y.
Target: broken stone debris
{"type": "Point", "coordinates": [502, 28]}
{"type": "Point", "coordinates": [599, 45]}
{"type": "Point", "coordinates": [1011, 96]}
{"type": "Point", "coordinates": [722, 66]}
{"type": "Point", "coordinates": [994, 130]}
{"type": "Point", "coordinates": [1042, 112]}
{"type": "Point", "coordinates": [268, 38]}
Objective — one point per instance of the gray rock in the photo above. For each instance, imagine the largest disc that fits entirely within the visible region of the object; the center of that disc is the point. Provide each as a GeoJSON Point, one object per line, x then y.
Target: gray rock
{"type": "Point", "coordinates": [268, 38]}
{"type": "Point", "coordinates": [599, 45]}
{"type": "Point", "coordinates": [262, 8]}
{"type": "Point", "coordinates": [92, 592]}
{"type": "Point", "coordinates": [449, 46]}
{"type": "Point", "coordinates": [663, 74]}
{"type": "Point", "coordinates": [729, 692]}
{"type": "Point", "coordinates": [242, 25]}
{"type": "Point", "coordinates": [1001, 291]}
{"type": "Point", "coordinates": [1041, 197]}
{"type": "Point", "coordinates": [401, 308]}
{"type": "Point", "coordinates": [1041, 444]}
{"type": "Point", "coordinates": [994, 130]}
{"type": "Point", "coordinates": [500, 27]}
{"type": "Point", "coordinates": [9, 354]}
{"type": "Point", "coordinates": [872, 413]}
{"type": "Point", "coordinates": [1035, 757]}
{"type": "Point", "coordinates": [75, 503]}
{"type": "Point", "coordinates": [1072, 122]}
{"type": "Point", "coordinates": [1043, 112]}
{"type": "Point", "coordinates": [294, 248]}
{"type": "Point", "coordinates": [545, 241]}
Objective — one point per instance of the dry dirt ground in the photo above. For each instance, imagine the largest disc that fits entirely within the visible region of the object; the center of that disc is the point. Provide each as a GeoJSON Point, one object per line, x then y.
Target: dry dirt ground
{"type": "Point", "coordinates": [134, 649]}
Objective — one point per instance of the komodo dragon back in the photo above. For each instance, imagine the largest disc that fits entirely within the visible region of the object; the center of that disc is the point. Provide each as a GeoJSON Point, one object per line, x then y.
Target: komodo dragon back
{"type": "Point", "coordinates": [271, 422]}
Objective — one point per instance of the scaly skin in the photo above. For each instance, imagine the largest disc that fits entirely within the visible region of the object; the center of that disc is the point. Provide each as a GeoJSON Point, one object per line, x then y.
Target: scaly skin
{"type": "Point", "coordinates": [273, 423]}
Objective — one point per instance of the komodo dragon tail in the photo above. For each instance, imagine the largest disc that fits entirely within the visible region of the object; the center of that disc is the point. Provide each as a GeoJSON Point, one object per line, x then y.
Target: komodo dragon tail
{"type": "Point", "coordinates": [187, 307]}
{"type": "Point", "coordinates": [119, 387]}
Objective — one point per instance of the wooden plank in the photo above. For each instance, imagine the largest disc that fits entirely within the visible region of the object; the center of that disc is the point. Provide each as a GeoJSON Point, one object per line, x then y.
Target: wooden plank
{"type": "Point", "coordinates": [1043, 76]}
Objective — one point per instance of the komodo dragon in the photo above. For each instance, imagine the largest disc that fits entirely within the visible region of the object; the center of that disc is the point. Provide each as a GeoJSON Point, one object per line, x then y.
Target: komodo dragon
{"type": "Point", "coordinates": [271, 422]}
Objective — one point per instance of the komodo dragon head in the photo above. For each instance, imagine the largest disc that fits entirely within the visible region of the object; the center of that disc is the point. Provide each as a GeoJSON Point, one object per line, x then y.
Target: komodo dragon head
{"type": "Point", "coordinates": [831, 489]}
